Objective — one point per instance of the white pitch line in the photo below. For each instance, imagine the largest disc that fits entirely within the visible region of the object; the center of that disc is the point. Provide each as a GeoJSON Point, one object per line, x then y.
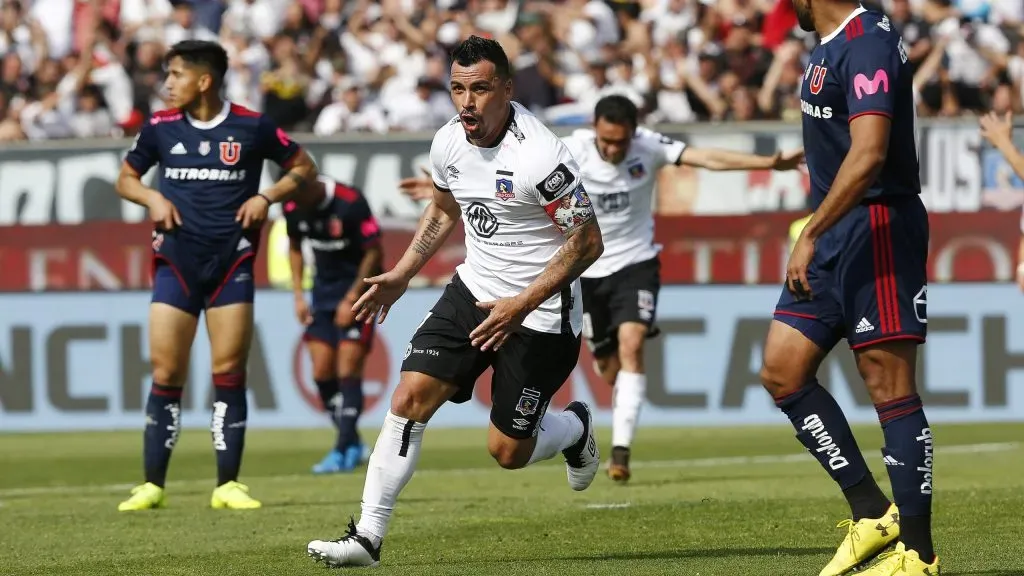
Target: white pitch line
{"type": "Point", "coordinates": [766, 459]}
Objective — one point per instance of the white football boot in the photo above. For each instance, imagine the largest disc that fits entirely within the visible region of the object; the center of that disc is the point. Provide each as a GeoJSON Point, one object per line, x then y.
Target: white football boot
{"type": "Point", "coordinates": [582, 459]}
{"type": "Point", "coordinates": [352, 549]}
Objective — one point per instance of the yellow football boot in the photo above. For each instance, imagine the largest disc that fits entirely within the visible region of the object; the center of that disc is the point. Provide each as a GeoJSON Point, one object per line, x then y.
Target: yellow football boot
{"type": "Point", "coordinates": [233, 496]}
{"type": "Point", "coordinates": [864, 539]}
{"type": "Point", "coordinates": [902, 562]}
{"type": "Point", "coordinates": [144, 497]}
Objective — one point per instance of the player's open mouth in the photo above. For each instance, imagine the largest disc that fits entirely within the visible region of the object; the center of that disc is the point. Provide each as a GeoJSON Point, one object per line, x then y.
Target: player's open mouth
{"type": "Point", "coordinates": [469, 121]}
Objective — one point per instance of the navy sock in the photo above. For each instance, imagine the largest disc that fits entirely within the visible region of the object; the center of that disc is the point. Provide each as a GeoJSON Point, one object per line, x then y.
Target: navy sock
{"type": "Point", "coordinates": [230, 410]}
{"type": "Point", "coordinates": [822, 428]}
{"type": "Point", "coordinates": [351, 407]}
{"type": "Point", "coordinates": [908, 453]}
{"type": "Point", "coordinates": [163, 424]}
{"type": "Point", "coordinates": [330, 399]}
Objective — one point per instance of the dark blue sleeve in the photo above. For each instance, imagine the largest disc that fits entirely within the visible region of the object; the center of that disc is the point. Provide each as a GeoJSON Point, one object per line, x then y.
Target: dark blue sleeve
{"type": "Point", "coordinates": [145, 150]}
{"type": "Point", "coordinates": [274, 144]}
{"type": "Point", "coordinates": [369, 229]}
{"type": "Point", "coordinates": [871, 71]}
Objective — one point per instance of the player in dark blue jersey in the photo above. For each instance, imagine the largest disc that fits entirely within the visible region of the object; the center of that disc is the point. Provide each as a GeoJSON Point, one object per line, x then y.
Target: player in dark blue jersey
{"type": "Point", "coordinates": [207, 216]}
{"type": "Point", "coordinates": [858, 271]}
{"type": "Point", "coordinates": [335, 220]}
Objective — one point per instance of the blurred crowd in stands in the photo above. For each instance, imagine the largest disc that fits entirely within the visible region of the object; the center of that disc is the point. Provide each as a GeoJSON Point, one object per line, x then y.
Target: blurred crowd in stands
{"type": "Point", "coordinates": [93, 68]}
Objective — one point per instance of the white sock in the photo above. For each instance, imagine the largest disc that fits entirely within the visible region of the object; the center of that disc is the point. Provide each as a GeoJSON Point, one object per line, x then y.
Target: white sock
{"type": "Point", "coordinates": [627, 398]}
{"type": "Point", "coordinates": [391, 465]}
{"type": "Point", "coordinates": [558, 431]}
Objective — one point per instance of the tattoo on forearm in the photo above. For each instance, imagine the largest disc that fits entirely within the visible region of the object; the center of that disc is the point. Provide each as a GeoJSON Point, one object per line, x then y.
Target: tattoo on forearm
{"type": "Point", "coordinates": [425, 242]}
{"type": "Point", "coordinates": [297, 178]}
{"type": "Point", "coordinates": [572, 257]}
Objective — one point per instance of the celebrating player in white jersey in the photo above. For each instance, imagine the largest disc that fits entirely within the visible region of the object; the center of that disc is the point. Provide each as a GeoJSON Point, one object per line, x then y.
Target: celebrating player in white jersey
{"type": "Point", "coordinates": [514, 304]}
{"type": "Point", "coordinates": [619, 163]}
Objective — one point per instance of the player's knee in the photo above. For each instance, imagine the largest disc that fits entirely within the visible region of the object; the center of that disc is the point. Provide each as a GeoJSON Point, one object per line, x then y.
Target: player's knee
{"type": "Point", "coordinates": [608, 367]}
{"type": "Point", "coordinates": [631, 353]}
{"type": "Point", "coordinates": [888, 372]}
{"type": "Point", "coordinates": [167, 373]}
{"type": "Point", "coordinates": [777, 377]}
{"type": "Point", "coordinates": [228, 365]}
{"type": "Point", "coordinates": [351, 361]}
{"type": "Point", "coordinates": [323, 371]}
{"type": "Point", "coordinates": [509, 454]}
{"type": "Point", "coordinates": [415, 401]}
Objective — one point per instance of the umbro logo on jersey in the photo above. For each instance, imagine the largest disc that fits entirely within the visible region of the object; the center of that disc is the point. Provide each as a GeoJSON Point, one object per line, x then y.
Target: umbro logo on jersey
{"type": "Point", "coordinates": [864, 326]}
{"type": "Point", "coordinates": [178, 149]}
{"type": "Point", "coordinates": [453, 172]}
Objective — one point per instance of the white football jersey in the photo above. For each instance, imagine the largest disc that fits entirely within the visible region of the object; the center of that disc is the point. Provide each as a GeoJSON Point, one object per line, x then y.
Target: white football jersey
{"type": "Point", "coordinates": [622, 195]}
{"type": "Point", "coordinates": [506, 194]}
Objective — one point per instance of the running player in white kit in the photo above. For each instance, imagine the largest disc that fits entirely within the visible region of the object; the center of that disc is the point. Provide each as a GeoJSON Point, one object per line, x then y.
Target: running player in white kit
{"type": "Point", "coordinates": [619, 163]}
{"type": "Point", "coordinates": [513, 305]}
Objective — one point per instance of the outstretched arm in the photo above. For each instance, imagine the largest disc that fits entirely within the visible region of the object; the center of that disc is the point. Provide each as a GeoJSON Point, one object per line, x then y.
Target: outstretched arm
{"type": "Point", "coordinates": [717, 159]}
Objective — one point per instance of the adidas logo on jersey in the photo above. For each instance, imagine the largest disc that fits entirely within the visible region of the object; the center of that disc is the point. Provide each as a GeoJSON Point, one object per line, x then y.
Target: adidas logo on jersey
{"type": "Point", "coordinates": [179, 149]}
{"type": "Point", "coordinates": [864, 326]}
{"type": "Point", "coordinates": [204, 174]}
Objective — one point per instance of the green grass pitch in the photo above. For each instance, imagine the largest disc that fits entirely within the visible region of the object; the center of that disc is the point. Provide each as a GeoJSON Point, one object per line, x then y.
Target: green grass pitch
{"type": "Point", "coordinates": [703, 502]}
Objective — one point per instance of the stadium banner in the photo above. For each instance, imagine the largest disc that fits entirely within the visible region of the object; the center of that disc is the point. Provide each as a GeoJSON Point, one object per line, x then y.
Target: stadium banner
{"type": "Point", "coordinates": [69, 182]}
{"type": "Point", "coordinates": [80, 362]}
{"type": "Point", "coordinates": [752, 249]}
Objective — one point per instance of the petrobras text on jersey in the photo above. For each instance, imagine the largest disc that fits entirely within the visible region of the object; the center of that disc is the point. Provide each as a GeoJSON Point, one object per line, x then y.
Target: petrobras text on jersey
{"type": "Point", "coordinates": [70, 362]}
{"type": "Point", "coordinates": [207, 174]}
{"type": "Point", "coordinates": [823, 112]}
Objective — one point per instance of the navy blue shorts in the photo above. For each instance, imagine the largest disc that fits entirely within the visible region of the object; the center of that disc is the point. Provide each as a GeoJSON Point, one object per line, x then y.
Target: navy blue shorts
{"type": "Point", "coordinates": [868, 278]}
{"type": "Point", "coordinates": [194, 284]}
{"type": "Point", "coordinates": [323, 329]}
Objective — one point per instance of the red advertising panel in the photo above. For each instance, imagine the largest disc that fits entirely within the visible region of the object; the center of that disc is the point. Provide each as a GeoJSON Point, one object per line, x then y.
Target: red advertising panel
{"type": "Point", "coordinates": [751, 249]}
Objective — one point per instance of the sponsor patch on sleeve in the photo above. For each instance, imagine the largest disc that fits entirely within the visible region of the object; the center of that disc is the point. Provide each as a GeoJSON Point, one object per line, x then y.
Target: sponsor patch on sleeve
{"type": "Point", "coordinates": [556, 183]}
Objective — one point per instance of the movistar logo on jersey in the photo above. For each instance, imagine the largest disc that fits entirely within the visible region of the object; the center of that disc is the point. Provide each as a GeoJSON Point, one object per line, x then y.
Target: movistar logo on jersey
{"type": "Point", "coordinates": [206, 174]}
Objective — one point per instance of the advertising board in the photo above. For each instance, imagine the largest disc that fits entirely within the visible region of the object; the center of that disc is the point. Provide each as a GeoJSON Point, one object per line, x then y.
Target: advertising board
{"type": "Point", "coordinates": [751, 249]}
{"type": "Point", "coordinates": [70, 182]}
{"type": "Point", "coordinates": [72, 362]}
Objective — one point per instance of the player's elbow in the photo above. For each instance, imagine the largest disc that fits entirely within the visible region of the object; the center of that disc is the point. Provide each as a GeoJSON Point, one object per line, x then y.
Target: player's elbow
{"type": "Point", "coordinates": [874, 158]}
{"type": "Point", "coordinates": [127, 180]}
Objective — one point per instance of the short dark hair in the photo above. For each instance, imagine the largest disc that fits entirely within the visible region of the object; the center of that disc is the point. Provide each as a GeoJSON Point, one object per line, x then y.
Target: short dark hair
{"type": "Point", "coordinates": [209, 55]}
{"type": "Point", "coordinates": [617, 110]}
{"type": "Point", "coordinates": [476, 49]}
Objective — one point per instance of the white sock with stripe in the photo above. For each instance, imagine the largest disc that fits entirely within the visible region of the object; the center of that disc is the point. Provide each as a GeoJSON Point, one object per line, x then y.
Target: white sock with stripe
{"type": "Point", "coordinates": [391, 465]}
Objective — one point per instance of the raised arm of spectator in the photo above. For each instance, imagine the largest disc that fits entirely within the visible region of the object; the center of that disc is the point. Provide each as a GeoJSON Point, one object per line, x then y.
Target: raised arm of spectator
{"type": "Point", "coordinates": [715, 104]}
{"type": "Point", "coordinates": [931, 64]}
{"type": "Point", "coordinates": [40, 43]}
{"type": "Point", "coordinates": [783, 56]}
{"type": "Point", "coordinates": [999, 132]}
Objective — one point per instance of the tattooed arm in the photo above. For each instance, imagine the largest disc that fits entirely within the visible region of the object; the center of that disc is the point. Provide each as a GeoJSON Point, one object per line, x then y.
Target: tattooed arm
{"type": "Point", "coordinates": [436, 224]}
{"type": "Point", "coordinates": [573, 215]}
